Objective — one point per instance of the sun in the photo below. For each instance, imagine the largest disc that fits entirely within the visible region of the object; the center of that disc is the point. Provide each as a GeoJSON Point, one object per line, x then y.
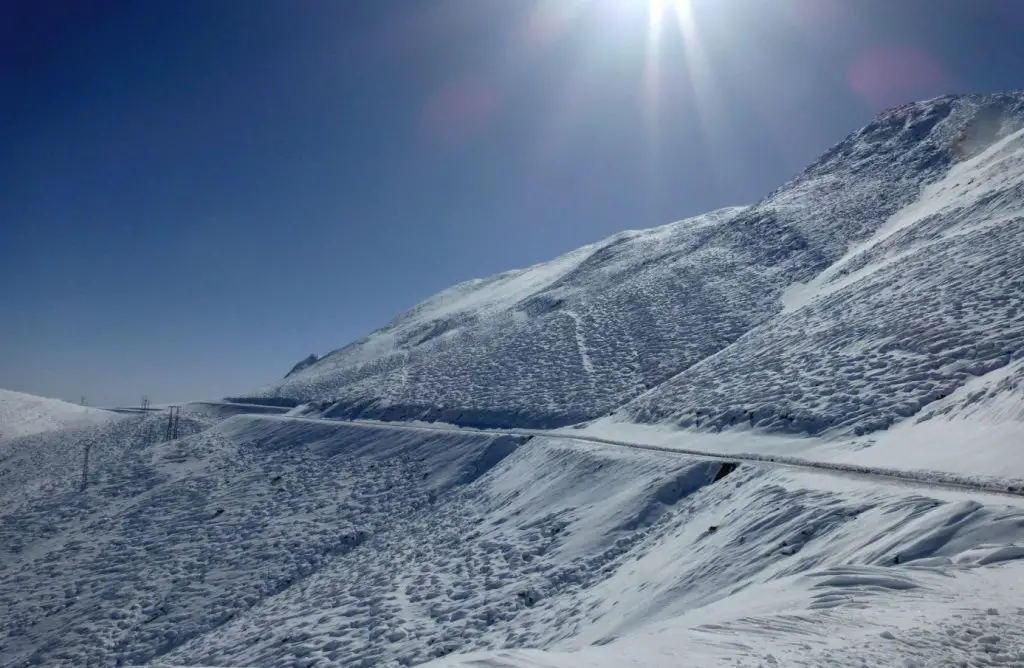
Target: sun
{"type": "Point", "coordinates": [653, 21]}
{"type": "Point", "coordinates": [659, 11]}
{"type": "Point", "coordinates": [657, 43]}
{"type": "Point", "coordinates": [617, 19]}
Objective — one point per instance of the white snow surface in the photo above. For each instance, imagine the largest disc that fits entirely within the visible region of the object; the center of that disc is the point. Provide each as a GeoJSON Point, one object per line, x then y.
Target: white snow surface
{"type": "Point", "coordinates": [552, 344]}
{"type": "Point", "coordinates": [24, 414]}
{"type": "Point", "coordinates": [795, 441]}
{"type": "Point", "coordinates": [931, 302]}
{"type": "Point", "coordinates": [265, 540]}
{"type": "Point", "coordinates": [881, 279]}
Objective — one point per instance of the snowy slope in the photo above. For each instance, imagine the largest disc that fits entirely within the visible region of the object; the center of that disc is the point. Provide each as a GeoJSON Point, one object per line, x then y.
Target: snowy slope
{"type": "Point", "coordinates": [552, 344]}
{"type": "Point", "coordinates": [867, 312]}
{"type": "Point", "coordinates": [23, 414]}
{"type": "Point", "coordinates": [932, 300]}
{"type": "Point", "coordinates": [276, 541]}
{"type": "Point", "coordinates": [41, 467]}
{"type": "Point", "coordinates": [839, 618]}
{"type": "Point", "coordinates": [764, 314]}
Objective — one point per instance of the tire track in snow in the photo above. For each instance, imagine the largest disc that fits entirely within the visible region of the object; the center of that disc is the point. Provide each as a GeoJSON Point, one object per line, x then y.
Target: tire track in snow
{"type": "Point", "coordinates": [926, 479]}
{"type": "Point", "coordinates": [581, 343]}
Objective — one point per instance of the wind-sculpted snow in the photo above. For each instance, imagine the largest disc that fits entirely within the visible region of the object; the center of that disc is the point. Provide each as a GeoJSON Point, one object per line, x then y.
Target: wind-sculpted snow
{"type": "Point", "coordinates": [909, 316]}
{"type": "Point", "coordinates": [24, 414]}
{"type": "Point", "coordinates": [847, 617]}
{"type": "Point", "coordinates": [892, 292]}
{"type": "Point", "coordinates": [51, 463]}
{"type": "Point", "coordinates": [553, 344]}
{"type": "Point", "coordinates": [174, 539]}
{"type": "Point", "coordinates": [267, 540]}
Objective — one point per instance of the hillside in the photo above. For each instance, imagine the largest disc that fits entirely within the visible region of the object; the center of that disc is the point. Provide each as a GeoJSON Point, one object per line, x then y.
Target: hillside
{"type": "Point", "coordinates": [931, 300]}
{"type": "Point", "coordinates": [778, 435]}
{"type": "Point", "coordinates": [24, 414]}
{"type": "Point", "coordinates": [264, 540]}
{"type": "Point", "coordinates": [765, 314]}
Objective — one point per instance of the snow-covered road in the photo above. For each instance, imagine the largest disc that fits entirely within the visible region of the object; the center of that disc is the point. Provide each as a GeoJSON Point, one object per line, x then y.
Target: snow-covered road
{"type": "Point", "coordinates": [988, 486]}
{"type": "Point", "coordinates": [261, 540]}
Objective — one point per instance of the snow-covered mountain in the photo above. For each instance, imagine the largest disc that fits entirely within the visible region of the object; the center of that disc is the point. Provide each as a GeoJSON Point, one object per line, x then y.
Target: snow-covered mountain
{"type": "Point", "coordinates": [930, 300]}
{"type": "Point", "coordinates": [788, 435]}
{"type": "Point", "coordinates": [880, 279]}
{"type": "Point", "coordinates": [24, 414]}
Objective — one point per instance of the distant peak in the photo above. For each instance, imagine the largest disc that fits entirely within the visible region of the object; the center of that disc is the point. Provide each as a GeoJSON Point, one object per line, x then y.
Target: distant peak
{"type": "Point", "coordinates": [309, 361]}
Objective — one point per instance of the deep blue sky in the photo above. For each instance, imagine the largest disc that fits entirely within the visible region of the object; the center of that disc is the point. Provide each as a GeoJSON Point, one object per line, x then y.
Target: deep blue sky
{"type": "Point", "coordinates": [195, 194]}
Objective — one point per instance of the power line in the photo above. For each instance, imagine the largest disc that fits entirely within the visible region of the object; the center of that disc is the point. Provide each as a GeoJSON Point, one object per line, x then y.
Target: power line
{"type": "Point", "coordinates": [172, 423]}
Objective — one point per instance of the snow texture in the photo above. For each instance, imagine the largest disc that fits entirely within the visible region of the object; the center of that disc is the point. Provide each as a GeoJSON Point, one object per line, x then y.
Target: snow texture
{"type": "Point", "coordinates": [24, 414]}
{"type": "Point", "coordinates": [934, 299]}
{"type": "Point", "coordinates": [794, 441]}
{"type": "Point", "coordinates": [275, 541]}
{"type": "Point", "coordinates": [881, 279]}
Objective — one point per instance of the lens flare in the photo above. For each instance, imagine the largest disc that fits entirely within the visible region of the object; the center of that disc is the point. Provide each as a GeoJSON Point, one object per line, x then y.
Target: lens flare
{"type": "Point", "coordinates": [660, 38]}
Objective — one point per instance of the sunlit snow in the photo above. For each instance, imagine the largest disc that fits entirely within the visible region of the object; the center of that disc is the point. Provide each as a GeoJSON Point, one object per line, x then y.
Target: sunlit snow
{"type": "Point", "coordinates": [779, 435]}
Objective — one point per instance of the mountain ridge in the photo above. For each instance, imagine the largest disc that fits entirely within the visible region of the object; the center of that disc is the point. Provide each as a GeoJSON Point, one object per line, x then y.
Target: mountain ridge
{"type": "Point", "coordinates": [589, 332]}
{"type": "Point", "coordinates": [880, 523]}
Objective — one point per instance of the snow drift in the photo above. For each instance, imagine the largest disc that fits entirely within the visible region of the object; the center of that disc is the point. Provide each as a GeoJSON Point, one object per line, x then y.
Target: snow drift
{"type": "Point", "coordinates": [24, 414]}
{"type": "Point", "coordinates": [268, 540]}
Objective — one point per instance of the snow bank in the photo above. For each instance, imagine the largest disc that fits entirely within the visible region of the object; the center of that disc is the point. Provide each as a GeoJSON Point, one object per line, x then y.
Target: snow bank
{"type": "Point", "coordinates": [267, 540]}
{"type": "Point", "coordinates": [24, 414]}
{"type": "Point", "coordinates": [842, 618]}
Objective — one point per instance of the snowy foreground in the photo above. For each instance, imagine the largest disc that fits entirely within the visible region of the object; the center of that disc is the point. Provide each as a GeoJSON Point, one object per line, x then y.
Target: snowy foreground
{"type": "Point", "coordinates": [263, 540]}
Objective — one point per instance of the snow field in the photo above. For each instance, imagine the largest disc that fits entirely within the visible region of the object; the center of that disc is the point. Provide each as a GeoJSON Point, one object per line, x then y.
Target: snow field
{"type": "Point", "coordinates": [923, 619]}
{"type": "Point", "coordinates": [290, 542]}
{"type": "Point", "coordinates": [561, 354]}
{"type": "Point", "coordinates": [25, 414]}
{"type": "Point", "coordinates": [40, 465]}
{"type": "Point", "coordinates": [935, 300]}
{"type": "Point", "coordinates": [563, 545]}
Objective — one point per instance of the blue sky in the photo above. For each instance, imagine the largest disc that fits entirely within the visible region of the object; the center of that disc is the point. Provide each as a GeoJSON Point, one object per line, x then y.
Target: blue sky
{"type": "Point", "coordinates": [194, 195]}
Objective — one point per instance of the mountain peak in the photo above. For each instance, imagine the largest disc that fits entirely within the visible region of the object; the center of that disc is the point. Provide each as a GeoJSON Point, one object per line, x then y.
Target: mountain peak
{"type": "Point", "coordinates": [308, 361]}
{"type": "Point", "coordinates": [665, 318]}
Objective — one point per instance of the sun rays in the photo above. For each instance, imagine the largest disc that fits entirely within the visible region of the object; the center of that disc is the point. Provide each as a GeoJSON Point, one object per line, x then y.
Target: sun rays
{"type": "Point", "coordinates": [642, 52]}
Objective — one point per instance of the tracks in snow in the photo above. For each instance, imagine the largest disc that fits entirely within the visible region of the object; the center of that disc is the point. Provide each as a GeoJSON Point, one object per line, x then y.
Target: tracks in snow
{"type": "Point", "coordinates": [926, 479]}
{"type": "Point", "coordinates": [581, 343]}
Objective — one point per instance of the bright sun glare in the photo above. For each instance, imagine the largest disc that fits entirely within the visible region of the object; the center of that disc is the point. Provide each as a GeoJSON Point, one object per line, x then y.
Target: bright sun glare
{"type": "Point", "coordinates": [659, 10]}
{"type": "Point", "coordinates": [664, 34]}
{"type": "Point", "coordinates": [660, 13]}
{"type": "Point", "coordinates": [665, 20]}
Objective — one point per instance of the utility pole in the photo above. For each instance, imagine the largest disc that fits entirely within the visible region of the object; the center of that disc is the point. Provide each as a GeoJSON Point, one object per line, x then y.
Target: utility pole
{"type": "Point", "coordinates": [85, 465]}
{"type": "Point", "coordinates": [172, 423]}
{"type": "Point", "coordinates": [144, 404]}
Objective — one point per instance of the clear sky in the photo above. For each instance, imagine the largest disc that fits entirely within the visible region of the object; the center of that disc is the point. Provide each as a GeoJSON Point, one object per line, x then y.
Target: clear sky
{"type": "Point", "coordinates": [196, 194]}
